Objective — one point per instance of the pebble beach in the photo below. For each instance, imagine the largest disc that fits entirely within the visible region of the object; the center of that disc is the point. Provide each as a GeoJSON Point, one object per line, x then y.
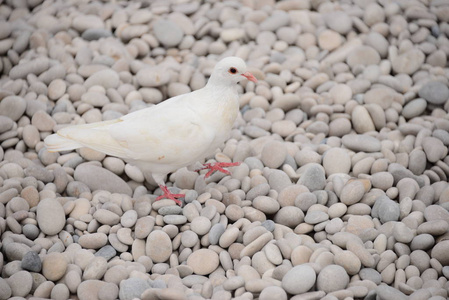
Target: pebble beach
{"type": "Point", "coordinates": [342, 191]}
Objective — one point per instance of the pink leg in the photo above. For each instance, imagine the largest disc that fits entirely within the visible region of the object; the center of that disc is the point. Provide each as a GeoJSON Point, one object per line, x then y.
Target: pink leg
{"type": "Point", "coordinates": [168, 195]}
{"type": "Point", "coordinates": [218, 166]}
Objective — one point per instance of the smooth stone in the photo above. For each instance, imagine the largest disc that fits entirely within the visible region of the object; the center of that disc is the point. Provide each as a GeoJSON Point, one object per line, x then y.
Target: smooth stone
{"type": "Point", "coordinates": [266, 204]}
{"type": "Point", "coordinates": [336, 160]}
{"type": "Point", "coordinates": [439, 252]}
{"type": "Point", "coordinates": [13, 107]}
{"type": "Point", "coordinates": [5, 123]}
{"type": "Point", "coordinates": [361, 143]}
{"type": "Point", "coordinates": [299, 279]}
{"type": "Point", "coordinates": [158, 246]}
{"type": "Point", "coordinates": [5, 289]}
{"type": "Point", "coordinates": [382, 96]}
{"type": "Point", "coordinates": [385, 209]}
{"type": "Point", "coordinates": [408, 62]}
{"type": "Point", "coordinates": [106, 78]}
{"type": "Point", "coordinates": [312, 176]}
{"type": "Point", "coordinates": [388, 292]}
{"type": "Point", "coordinates": [88, 288]}
{"type": "Point", "coordinates": [35, 66]}
{"type": "Point", "coordinates": [152, 77]}
{"type": "Point", "coordinates": [95, 269]}
{"type": "Point", "coordinates": [277, 20]}
{"type": "Point", "coordinates": [203, 261]}
{"type": "Point", "coordinates": [93, 240]}
{"type": "Point", "coordinates": [352, 192]}
{"type": "Point", "coordinates": [433, 227]}
{"type": "Point", "coordinates": [414, 108]}
{"type": "Point", "coordinates": [93, 34]}
{"type": "Point", "coordinates": [60, 291]}
{"type": "Point", "coordinates": [274, 154]}
{"type": "Point", "coordinates": [20, 283]}
{"type": "Point", "coordinates": [84, 22]}
{"type": "Point", "coordinates": [106, 217]}
{"type": "Point", "coordinates": [133, 288]}
{"type": "Point", "coordinates": [371, 275]}
{"type": "Point", "coordinates": [108, 252]}
{"type": "Point", "coordinates": [434, 149]}
{"type": "Point", "coordinates": [363, 55]}
{"type": "Point", "coordinates": [332, 278]}
{"type": "Point", "coordinates": [50, 216]}
{"type": "Point", "coordinates": [31, 262]}
{"type": "Point", "coordinates": [97, 178]}
{"type": "Point", "coordinates": [339, 21]}
{"type": "Point", "coordinates": [349, 261]}
{"type": "Point", "coordinates": [54, 266]}
{"type": "Point", "coordinates": [290, 216]}
{"type": "Point", "coordinates": [168, 32]}
{"type": "Point", "coordinates": [434, 92]}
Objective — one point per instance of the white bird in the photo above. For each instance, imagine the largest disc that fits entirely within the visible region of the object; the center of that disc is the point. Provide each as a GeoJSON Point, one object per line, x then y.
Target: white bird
{"type": "Point", "coordinates": [173, 134]}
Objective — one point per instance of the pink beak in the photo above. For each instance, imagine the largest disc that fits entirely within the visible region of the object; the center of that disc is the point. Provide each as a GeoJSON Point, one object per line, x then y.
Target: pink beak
{"type": "Point", "coordinates": [249, 76]}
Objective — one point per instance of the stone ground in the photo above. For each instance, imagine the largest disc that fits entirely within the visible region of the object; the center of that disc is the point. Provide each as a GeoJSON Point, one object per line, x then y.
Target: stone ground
{"type": "Point", "coordinates": [342, 192]}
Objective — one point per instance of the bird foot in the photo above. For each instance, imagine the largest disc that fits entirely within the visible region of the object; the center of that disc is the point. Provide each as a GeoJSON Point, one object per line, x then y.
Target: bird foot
{"type": "Point", "coordinates": [218, 166]}
{"type": "Point", "coordinates": [168, 195]}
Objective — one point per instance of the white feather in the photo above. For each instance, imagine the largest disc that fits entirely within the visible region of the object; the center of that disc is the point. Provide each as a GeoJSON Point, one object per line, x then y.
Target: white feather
{"type": "Point", "coordinates": [173, 134]}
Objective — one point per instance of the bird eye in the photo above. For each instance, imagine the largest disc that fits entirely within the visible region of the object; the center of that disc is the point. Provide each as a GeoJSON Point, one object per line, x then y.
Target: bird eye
{"type": "Point", "coordinates": [232, 70]}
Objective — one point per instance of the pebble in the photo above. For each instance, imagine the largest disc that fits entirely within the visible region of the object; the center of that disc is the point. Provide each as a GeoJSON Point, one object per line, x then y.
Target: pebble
{"type": "Point", "coordinates": [312, 176]}
{"type": "Point", "coordinates": [336, 160]}
{"type": "Point", "coordinates": [332, 278]}
{"type": "Point", "coordinates": [385, 209]}
{"type": "Point", "coordinates": [168, 33]}
{"type": "Point", "coordinates": [343, 143]}
{"type": "Point", "coordinates": [158, 246]}
{"type": "Point", "coordinates": [438, 252]}
{"type": "Point", "coordinates": [434, 92]}
{"type": "Point", "coordinates": [364, 143]}
{"type": "Point", "coordinates": [20, 283]}
{"type": "Point", "coordinates": [274, 154]}
{"type": "Point", "coordinates": [299, 279]}
{"type": "Point", "coordinates": [54, 266]}
{"type": "Point", "coordinates": [89, 175]}
{"type": "Point", "coordinates": [408, 62]}
{"type": "Point", "coordinates": [50, 216]}
{"type": "Point", "coordinates": [203, 261]}
{"type": "Point", "coordinates": [31, 262]}
{"type": "Point", "coordinates": [133, 288]}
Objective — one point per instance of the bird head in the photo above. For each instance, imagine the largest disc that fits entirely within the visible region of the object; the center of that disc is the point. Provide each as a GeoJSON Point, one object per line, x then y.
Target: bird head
{"type": "Point", "coordinates": [231, 70]}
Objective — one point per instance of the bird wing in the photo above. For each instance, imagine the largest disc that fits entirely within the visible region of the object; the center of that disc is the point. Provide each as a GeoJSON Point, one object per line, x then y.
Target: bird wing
{"type": "Point", "coordinates": [169, 133]}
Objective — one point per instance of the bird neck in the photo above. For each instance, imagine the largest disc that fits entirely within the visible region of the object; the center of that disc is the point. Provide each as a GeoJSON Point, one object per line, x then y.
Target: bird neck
{"type": "Point", "coordinates": [217, 82]}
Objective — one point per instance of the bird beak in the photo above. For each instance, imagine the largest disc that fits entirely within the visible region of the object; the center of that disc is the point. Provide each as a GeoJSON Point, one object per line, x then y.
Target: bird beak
{"type": "Point", "coordinates": [249, 76]}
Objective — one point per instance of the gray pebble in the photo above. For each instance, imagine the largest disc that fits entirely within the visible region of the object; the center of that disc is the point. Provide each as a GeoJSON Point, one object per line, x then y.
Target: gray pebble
{"type": "Point", "coordinates": [312, 176]}
{"type": "Point", "coordinates": [434, 92]}
{"type": "Point", "coordinates": [31, 262]}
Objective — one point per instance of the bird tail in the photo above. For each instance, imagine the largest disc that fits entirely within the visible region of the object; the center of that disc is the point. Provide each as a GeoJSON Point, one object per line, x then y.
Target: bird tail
{"type": "Point", "coordinates": [56, 143]}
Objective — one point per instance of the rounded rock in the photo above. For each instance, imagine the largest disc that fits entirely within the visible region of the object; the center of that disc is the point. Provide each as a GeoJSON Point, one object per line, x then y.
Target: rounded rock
{"type": "Point", "coordinates": [332, 278]}
{"type": "Point", "coordinates": [440, 251]}
{"type": "Point", "coordinates": [435, 92]}
{"type": "Point", "coordinates": [54, 266]}
{"type": "Point", "coordinates": [299, 279]}
{"type": "Point", "coordinates": [203, 261]}
{"type": "Point", "coordinates": [50, 216]}
{"type": "Point", "coordinates": [20, 283]}
{"type": "Point", "coordinates": [336, 160]}
{"type": "Point", "coordinates": [158, 246]}
{"type": "Point", "coordinates": [274, 154]}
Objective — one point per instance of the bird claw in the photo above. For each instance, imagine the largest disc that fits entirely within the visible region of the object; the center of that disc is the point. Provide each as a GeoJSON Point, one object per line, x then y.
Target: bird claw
{"type": "Point", "coordinates": [169, 195]}
{"type": "Point", "coordinates": [218, 166]}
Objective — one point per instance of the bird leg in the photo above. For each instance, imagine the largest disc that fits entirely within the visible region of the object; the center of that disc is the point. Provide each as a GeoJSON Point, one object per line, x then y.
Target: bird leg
{"type": "Point", "coordinates": [168, 195]}
{"type": "Point", "coordinates": [218, 166]}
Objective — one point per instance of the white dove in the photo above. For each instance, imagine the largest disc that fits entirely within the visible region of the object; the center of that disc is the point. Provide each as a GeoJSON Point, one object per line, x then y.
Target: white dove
{"type": "Point", "coordinates": [173, 134]}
